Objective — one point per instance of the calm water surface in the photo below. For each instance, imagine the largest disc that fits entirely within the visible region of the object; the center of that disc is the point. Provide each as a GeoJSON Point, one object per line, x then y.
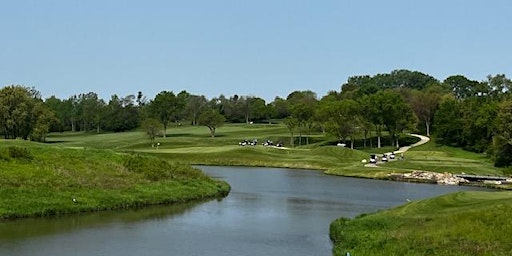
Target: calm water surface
{"type": "Point", "coordinates": [268, 212]}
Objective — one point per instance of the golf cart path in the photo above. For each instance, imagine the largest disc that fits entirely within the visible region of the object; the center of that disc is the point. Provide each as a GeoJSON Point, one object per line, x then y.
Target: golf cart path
{"type": "Point", "coordinates": [423, 140]}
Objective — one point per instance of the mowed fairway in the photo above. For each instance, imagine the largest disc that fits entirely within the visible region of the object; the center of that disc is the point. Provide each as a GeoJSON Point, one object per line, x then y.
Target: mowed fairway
{"type": "Point", "coordinates": [193, 145]}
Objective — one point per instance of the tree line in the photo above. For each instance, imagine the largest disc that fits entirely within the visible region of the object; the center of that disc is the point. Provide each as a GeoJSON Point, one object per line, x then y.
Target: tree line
{"type": "Point", "coordinates": [474, 115]}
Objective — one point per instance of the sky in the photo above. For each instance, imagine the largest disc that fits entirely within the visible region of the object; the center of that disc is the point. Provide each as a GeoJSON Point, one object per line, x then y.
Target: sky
{"type": "Point", "coordinates": [263, 48]}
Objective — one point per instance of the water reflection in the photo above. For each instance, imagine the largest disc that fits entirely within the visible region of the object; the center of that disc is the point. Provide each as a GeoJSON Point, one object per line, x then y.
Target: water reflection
{"type": "Point", "coordinates": [268, 212]}
{"type": "Point", "coordinates": [32, 227]}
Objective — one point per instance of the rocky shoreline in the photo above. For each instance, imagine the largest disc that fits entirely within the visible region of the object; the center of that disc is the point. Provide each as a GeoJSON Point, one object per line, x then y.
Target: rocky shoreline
{"type": "Point", "coordinates": [429, 177]}
{"type": "Point", "coordinates": [452, 179]}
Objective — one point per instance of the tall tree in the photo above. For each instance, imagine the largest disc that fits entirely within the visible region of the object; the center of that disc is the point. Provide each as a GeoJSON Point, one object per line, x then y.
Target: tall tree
{"type": "Point", "coordinates": [502, 142]}
{"type": "Point", "coordinates": [152, 127]}
{"type": "Point", "coordinates": [302, 106]}
{"type": "Point", "coordinates": [256, 110]}
{"type": "Point", "coordinates": [397, 114]}
{"type": "Point", "coordinates": [44, 116]}
{"type": "Point", "coordinates": [281, 109]}
{"type": "Point", "coordinates": [291, 123]}
{"type": "Point", "coordinates": [163, 108]}
{"type": "Point", "coordinates": [179, 106]}
{"type": "Point", "coordinates": [62, 114]}
{"type": "Point", "coordinates": [372, 107]}
{"type": "Point", "coordinates": [121, 114]}
{"type": "Point", "coordinates": [499, 85]}
{"type": "Point", "coordinates": [461, 86]}
{"type": "Point", "coordinates": [212, 119]}
{"type": "Point", "coordinates": [425, 104]}
{"type": "Point", "coordinates": [341, 118]}
{"type": "Point", "coordinates": [194, 106]}
{"type": "Point", "coordinates": [93, 110]}
{"type": "Point", "coordinates": [22, 113]}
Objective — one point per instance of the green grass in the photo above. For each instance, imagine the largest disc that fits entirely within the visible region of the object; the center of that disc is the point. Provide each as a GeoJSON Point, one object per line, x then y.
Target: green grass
{"type": "Point", "coordinates": [193, 145]}
{"type": "Point", "coordinates": [44, 180]}
{"type": "Point", "coordinates": [464, 223]}
{"type": "Point", "coordinates": [438, 158]}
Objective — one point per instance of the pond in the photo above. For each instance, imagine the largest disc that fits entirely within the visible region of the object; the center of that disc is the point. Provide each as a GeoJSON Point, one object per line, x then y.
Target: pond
{"type": "Point", "coordinates": [269, 211]}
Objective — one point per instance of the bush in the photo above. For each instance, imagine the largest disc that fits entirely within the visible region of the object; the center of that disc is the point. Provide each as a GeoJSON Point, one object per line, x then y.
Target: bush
{"type": "Point", "coordinates": [20, 153]}
{"type": "Point", "coordinates": [152, 168]}
{"type": "Point", "coordinates": [504, 156]}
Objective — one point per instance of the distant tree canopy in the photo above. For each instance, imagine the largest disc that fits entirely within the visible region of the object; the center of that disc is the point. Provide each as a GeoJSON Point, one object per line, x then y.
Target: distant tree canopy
{"type": "Point", "coordinates": [459, 111]}
{"type": "Point", "coordinates": [23, 114]}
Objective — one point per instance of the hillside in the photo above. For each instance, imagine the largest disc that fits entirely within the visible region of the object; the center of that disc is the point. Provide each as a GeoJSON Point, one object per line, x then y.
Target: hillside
{"type": "Point", "coordinates": [41, 180]}
{"type": "Point", "coordinates": [464, 223]}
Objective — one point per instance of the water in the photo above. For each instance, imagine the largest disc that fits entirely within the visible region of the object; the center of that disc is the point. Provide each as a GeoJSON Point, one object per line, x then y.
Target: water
{"type": "Point", "coordinates": [268, 212]}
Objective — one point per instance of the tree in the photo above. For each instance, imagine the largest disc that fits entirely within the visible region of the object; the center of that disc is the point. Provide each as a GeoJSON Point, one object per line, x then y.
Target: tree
{"type": "Point", "coordinates": [498, 85]}
{"type": "Point", "coordinates": [502, 142]}
{"type": "Point", "coordinates": [121, 114]}
{"type": "Point", "coordinates": [257, 109]}
{"type": "Point", "coordinates": [448, 122]}
{"type": "Point", "coordinates": [280, 108]}
{"type": "Point", "coordinates": [461, 87]}
{"type": "Point", "coordinates": [23, 114]}
{"type": "Point", "coordinates": [504, 121]}
{"type": "Point", "coordinates": [93, 110]}
{"type": "Point", "coordinates": [302, 106]}
{"type": "Point", "coordinates": [304, 114]}
{"type": "Point", "coordinates": [76, 112]}
{"type": "Point", "coordinates": [388, 109]}
{"type": "Point", "coordinates": [152, 127]}
{"type": "Point", "coordinates": [291, 123]}
{"type": "Point", "coordinates": [340, 118]}
{"type": "Point", "coordinates": [372, 110]}
{"type": "Point", "coordinates": [194, 107]}
{"type": "Point", "coordinates": [59, 109]}
{"type": "Point", "coordinates": [425, 105]}
{"type": "Point", "coordinates": [44, 117]}
{"type": "Point", "coordinates": [179, 106]}
{"type": "Point", "coordinates": [212, 119]}
{"type": "Point", "coordinates": [163, 108]}
{"type": "Point", "coordinates": [397, 114]}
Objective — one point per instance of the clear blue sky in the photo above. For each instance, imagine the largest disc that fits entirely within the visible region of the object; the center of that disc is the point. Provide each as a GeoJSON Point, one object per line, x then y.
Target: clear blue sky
{"type": "Point", "coordinates": [261, 48]}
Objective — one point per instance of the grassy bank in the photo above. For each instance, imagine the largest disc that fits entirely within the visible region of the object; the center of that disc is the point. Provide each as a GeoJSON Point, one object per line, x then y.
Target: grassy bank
{"type": "Point", "coordinates": [41, 180]}
{"type": "Point", "coordinates": [464, 223]}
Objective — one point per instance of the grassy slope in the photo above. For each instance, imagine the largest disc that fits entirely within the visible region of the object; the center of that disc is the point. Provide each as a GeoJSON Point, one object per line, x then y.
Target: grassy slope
{"type": "Point", "coordinates": [464, 223]}
{"type": "Point", "coordinates": [438, 158]}
{"type": "Point", "coordinates": [97, 179]}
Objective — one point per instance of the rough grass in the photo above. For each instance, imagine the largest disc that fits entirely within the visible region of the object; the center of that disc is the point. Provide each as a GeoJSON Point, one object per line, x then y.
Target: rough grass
{"type": "Point", "coordinates": [46, 182]}
{"type": "Point", "coordinates": [464, 223]}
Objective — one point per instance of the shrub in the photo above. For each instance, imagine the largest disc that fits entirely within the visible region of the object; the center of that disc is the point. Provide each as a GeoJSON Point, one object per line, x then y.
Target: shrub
{"type": "Point", "coordinates": [20, 153]}
{"type": "Point", "coordinates": [152, 168]}
{"type": "Point", "coordinates": [504, 156]}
